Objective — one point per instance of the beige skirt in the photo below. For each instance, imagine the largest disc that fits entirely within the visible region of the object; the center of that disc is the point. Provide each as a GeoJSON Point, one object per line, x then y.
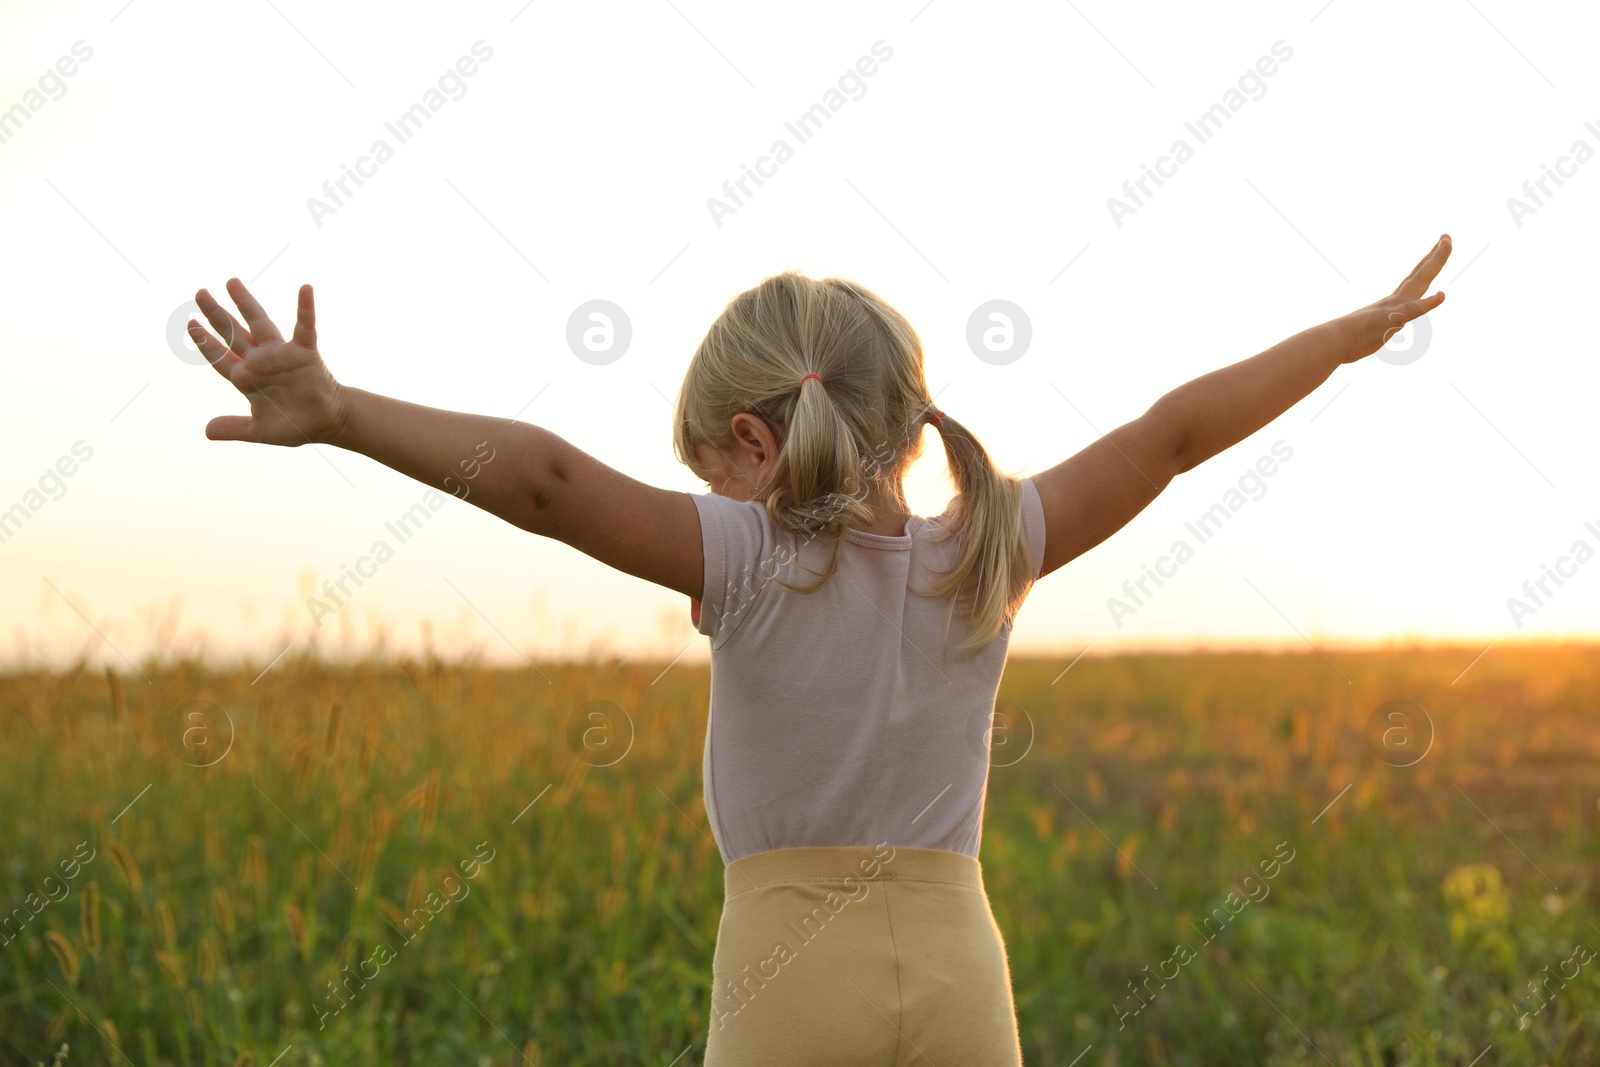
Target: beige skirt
{"type": "Point", "coordinates": [882, 956]}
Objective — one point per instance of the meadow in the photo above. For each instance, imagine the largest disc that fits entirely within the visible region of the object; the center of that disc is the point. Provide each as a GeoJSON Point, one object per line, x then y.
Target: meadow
{"type": "Point", "coordinates": [1194, 859]}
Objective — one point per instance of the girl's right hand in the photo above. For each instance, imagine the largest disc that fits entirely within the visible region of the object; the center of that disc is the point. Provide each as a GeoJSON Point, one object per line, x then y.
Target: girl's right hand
{"type": "Point", "coordinates": [1372, 327]}
{"type": "Point", "coordinates": [294, 400]}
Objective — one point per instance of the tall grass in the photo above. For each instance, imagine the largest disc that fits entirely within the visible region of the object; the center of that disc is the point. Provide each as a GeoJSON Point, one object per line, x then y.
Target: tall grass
{"type": "Point", "coordinates": [322, 892]}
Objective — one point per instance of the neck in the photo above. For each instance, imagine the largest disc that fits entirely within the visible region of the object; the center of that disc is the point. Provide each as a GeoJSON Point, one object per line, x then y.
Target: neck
{"type": "Point", "coordinates": [889, 506]}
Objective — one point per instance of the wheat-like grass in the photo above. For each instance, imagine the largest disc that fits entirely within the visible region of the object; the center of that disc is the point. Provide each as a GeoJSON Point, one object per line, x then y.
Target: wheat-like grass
{"type": "Point", "coordinates": [89, 917]}
{"type": "Point", "coordinates": [297, 927]}
{"type": "Point", "coordinates": [65, 956]}
{"type": "Point", "coordinates": [126, 865]}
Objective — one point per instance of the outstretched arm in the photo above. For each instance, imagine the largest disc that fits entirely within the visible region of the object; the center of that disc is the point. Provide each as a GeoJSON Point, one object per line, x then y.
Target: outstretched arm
{"type": "Point", "coordinates": [1098, 491]}
{"type": "Point", "coordinates": [532, 478]}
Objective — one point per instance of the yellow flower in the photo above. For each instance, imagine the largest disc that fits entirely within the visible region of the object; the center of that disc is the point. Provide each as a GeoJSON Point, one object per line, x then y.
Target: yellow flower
{"type": "Point", "coordinates": [1477, 903]}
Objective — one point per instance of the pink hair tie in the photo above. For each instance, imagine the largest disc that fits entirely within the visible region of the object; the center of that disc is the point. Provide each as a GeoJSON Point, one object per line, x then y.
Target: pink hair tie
{"type": "Point", "coordinates": [818, 377]}
{"type": "Point", "coordinates": [935, 417]}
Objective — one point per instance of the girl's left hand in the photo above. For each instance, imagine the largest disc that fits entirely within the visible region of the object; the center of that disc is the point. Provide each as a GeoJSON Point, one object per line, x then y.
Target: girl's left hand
{"type": "Point", "coordinates": [1372, 327]}
{"type": "Point", "coordinates": [294, 400]}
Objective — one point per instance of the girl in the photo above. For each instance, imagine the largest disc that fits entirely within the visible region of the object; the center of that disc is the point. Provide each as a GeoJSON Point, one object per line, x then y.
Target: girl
{"type": "Point", "coordinates": [856, 649]}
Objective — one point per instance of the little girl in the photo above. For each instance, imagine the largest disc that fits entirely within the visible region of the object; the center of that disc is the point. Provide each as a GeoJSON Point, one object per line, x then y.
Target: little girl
{"type": "Point", "coordinates": [856, 649]}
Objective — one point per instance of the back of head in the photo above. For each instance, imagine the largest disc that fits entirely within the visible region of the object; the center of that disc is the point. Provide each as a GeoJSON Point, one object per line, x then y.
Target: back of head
{"type": "Point", "coordinates": [846, 437]}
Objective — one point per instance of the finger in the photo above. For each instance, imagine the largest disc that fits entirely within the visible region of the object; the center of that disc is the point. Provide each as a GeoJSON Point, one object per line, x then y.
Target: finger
{"type": "Point", "coordinates": [261, 327]}
{"type": "Point", "coordinates": [305, 323]}
{"type": "Point", "coordinates": [231, 428]}
{"type": "Point", "coordinates": [1415, 309]}
{"type": "Point", "coordinates": [229, 329]}
{"type": "Point", "coordinates": [1442, 244]}
{"type": "Point", "coordinates": [1426, 270]}
{"type": "Point", "coordinates": [216, 353]}
{"type": "Point", "coordinates": [1410, 311]}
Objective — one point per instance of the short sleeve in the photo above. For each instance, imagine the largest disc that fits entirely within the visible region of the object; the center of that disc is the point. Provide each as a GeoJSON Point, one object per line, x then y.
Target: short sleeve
{"type": "Point", "coordinates": [1033, 524]}
{"type": "Point", "coordinates": [735, 536]}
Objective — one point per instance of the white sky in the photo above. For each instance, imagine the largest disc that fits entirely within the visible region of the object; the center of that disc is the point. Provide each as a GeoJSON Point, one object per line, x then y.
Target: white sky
{"type": "Point", "coordinates": [976, 166]}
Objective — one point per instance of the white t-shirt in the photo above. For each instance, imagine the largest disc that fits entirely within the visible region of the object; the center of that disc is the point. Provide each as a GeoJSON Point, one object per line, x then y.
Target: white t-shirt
{"type": "Point", "coordinates": [841, 717]}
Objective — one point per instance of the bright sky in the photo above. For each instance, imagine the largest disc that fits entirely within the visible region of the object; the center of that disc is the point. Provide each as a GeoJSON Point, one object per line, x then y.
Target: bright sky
{"type": "Point", "coordinates": [974, 163]}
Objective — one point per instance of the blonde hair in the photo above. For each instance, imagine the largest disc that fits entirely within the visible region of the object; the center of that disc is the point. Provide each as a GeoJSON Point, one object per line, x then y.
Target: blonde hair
{"type": "Point", "coordinates": [854, 431]}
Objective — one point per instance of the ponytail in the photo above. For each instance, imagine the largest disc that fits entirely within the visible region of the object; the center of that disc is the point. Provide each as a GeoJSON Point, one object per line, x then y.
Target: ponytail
{"type": "Point", "coordinates": [994, 568]}
{"type": "Point", "coordinates": [818, 480]}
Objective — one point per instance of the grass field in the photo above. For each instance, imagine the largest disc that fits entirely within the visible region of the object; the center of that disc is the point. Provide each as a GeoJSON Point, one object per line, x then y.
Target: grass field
{"type": "Point", "coordinates": [1401, 895]}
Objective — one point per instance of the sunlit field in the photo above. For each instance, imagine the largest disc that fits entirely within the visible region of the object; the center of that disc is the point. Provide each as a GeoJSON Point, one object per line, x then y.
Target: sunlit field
{"type": "Point", "coordinates": [435, 863]}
